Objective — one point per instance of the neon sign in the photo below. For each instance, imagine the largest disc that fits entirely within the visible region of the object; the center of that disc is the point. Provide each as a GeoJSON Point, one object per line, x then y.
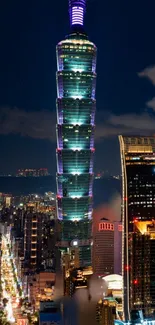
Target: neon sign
{"type": "Point", "coordinates": [106, 226]}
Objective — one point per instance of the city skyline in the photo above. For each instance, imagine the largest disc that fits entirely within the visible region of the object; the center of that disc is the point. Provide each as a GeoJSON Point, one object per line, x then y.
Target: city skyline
{"type": "Point", "coordinates": [28, 88]}
{"type": "Point", "coordinates": [69, 256]}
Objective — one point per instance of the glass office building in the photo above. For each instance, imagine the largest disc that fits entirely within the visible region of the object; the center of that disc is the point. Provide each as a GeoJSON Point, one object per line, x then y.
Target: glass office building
{"type": "Point", "coordinates": [76, 83]}
{"type": "Point", "coordinates": [138, 179]}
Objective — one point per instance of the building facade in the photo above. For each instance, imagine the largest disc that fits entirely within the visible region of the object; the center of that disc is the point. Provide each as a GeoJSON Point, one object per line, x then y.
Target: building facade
{"type": "Point", "coordinates": [106, 312]}
{"type": "Point", "coordinates": [138, 263]}
{"type": "Point", "coordinates": [118, 247]}
{"type": "Point", "coordinates": [107, 246]}
{"type": "Point", "coordinates": [76, 83]}
{"type": "Point", "coordinates": [103, 247]}
{"type": "Point", "coordinates": [33, 240]}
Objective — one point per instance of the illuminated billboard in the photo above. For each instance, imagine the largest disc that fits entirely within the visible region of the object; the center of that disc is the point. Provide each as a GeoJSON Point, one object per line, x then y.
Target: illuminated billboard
{"type": "Point", "coordinates": [106, 226]}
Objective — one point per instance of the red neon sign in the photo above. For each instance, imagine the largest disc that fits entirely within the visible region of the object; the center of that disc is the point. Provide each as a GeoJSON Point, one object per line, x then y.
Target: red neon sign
{"type": "Point", "coordinates": [106, 226]}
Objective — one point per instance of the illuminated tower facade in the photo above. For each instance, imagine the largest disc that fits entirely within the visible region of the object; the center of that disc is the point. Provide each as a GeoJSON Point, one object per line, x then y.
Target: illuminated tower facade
{"type": "Point", "coordinates": [76, 83]}
{"type": "Point", "coordinates": [138, 217]}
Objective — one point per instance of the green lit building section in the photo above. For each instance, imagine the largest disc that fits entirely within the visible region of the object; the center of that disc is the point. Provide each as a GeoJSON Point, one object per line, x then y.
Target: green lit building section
{"type": "Point", "coordinates": [75, 161]}
{"type": "Point", "coordinates": [82, 229]}
{"type": "Point", "coordinates": [83, 110]}
{"type": "Point", "coordinates": [76, 104]}
{"type": "Point", "coordinates": [74, 186]}
{"type": "Point", "coordinates": [76, 136]}
{"type": "Point", "coordinates": [76, 209]}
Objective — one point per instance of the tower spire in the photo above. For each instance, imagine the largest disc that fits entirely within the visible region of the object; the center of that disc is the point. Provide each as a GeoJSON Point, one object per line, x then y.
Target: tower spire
{"type": "Point", "coordinates": [77, 10]}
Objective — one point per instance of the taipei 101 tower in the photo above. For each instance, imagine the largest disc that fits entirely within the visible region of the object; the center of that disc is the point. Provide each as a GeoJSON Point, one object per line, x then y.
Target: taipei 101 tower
{"type": "Point", "coordinates": [76, 104]}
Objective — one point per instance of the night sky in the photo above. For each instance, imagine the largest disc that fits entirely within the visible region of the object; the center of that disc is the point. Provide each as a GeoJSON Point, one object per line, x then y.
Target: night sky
{"type": "Point", "coordinates": [29, 31]}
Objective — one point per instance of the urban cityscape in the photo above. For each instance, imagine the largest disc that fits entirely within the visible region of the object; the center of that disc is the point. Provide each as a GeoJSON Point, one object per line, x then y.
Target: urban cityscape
{"type": "Point", "coordinates": [77, 242]}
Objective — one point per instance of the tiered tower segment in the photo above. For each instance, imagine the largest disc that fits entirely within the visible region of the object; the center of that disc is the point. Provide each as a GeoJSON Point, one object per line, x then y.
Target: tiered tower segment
{"type": "Point", "coordinates": [76, 83]}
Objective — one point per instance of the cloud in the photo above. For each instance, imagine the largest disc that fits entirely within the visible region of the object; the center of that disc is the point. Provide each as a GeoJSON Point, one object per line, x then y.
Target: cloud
{"type": "Point", "coordinates": [35, 124]}
{"type": "Point", "coordinates": [131, 124]}
{"type": "Point", "coordinates": [41, 124]}
{"type": "Point", "coordinates": [148, 73]}
{"type": "Point", "coordinates": [111, 211]}
{"type": "Point", "coordinates": [151, 103]}
{"type": "Point", "coordinates": [127, 124]}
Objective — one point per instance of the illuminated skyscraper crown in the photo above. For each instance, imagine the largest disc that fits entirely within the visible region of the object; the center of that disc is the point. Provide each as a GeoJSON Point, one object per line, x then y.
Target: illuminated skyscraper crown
{"type": "Point", "coordinates": [76, 11]}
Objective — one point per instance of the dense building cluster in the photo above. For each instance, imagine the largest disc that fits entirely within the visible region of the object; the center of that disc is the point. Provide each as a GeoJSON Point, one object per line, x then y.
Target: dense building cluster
{"type": "Point", "coordinates": [32, 172]}
{"type": "Point", "coordinates": [31, 227]}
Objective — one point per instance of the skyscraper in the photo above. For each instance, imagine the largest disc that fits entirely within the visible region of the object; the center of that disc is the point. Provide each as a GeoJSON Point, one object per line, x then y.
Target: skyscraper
{"type": "Point", "coordinates": [103, 246]}
{"type": "Point", "coordinates": [138, 179]}
{"type": "Point", "coordinates": [33, 239]}
{"type": "Point", "coordinates": [106, 257]}
{"type": "Point", "coordinates": [76, 83]}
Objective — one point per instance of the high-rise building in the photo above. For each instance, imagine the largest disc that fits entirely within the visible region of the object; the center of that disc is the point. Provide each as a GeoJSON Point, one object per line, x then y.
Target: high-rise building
{"type": "Point", "coordinates": [107, 246]}
{"type": "Point", "coordinates": [86, 291]}
{"type": "Point", "coordinates": [138, 180]}
{"type": "Point", "coordinates": [106, 312]}
{"type": "Point", "coordinates": [76, 83]}
{"type": "Point", "coordinates": [74, 281]}
{"type": "Point", "coordinates": [103, 247]}
{"type": "Point", "coordinates": [118, 247]}
{"type": "Point", "coordinates": [33, 240]}
{"type": "Point", "coordinates": [39, 240]}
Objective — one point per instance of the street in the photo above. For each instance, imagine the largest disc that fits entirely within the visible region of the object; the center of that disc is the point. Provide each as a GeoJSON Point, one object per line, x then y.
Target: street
{"type": "Point", "coordinates": [9, 280]}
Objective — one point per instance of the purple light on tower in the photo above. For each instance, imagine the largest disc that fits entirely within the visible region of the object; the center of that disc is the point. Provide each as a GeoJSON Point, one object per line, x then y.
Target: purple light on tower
{"type": "Point", "coordinates": [76, 11]}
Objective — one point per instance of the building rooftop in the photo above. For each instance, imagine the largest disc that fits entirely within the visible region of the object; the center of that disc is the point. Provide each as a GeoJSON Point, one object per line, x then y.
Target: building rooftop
{"type": "Point", "coordinates": [115, 281]}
